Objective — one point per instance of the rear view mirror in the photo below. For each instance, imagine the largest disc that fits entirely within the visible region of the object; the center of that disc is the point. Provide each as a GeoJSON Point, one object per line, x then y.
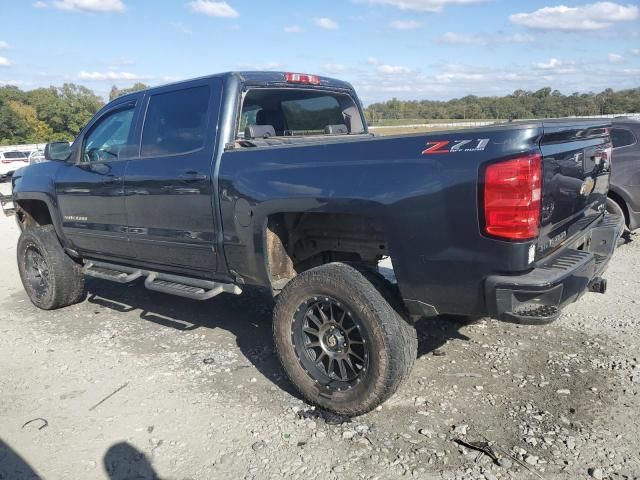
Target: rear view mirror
{"type": "Point", "coordinates": [57, 151]}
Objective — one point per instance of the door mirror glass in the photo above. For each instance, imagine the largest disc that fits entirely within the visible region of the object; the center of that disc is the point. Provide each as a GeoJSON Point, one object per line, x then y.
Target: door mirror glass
{"type": "Point", "coordinates": [57, 151]}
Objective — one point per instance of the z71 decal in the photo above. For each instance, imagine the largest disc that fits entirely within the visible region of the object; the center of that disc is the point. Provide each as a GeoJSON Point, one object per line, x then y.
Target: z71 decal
{"type": "Point", "coordinates": [446, 146]}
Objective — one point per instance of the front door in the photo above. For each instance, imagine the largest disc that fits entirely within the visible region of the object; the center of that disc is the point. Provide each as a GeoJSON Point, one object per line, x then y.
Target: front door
{"type": "Point", "coordinates": [90, 190]}
{"type": "Point", "coordinates": [169, 188]}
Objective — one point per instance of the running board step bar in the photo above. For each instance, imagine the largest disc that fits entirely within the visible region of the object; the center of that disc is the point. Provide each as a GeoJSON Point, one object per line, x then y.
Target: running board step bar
{"type": "Point", "coordinates": [193, 288]}
{"type": "Point", "coordinates": [106, 273]}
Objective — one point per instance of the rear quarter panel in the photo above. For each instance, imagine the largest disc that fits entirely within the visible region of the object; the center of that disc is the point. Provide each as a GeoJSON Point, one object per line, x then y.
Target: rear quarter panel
{"type": "Point", "coordinates": [427, 203]}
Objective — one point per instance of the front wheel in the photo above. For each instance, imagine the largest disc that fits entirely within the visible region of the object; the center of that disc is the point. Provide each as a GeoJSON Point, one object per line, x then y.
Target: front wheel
{"type": "Point", "coordinates": [340, 342]}
{"type": "Point", "coordinates": [50, 277]}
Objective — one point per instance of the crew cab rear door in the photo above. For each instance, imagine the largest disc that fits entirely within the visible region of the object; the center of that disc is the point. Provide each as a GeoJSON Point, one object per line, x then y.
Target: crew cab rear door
{"type": "Point", "coordinates": [169, 188]}
{"type": "Point", "coordinates": [576, 168]}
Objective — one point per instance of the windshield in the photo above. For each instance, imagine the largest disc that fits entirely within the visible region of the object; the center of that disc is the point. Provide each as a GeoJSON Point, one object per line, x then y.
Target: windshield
{"type": "Point", "coordinates": [299, 112]}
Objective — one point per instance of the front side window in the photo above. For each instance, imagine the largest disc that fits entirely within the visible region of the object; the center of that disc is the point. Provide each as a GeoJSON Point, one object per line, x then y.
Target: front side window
{"type": "Point", "coordinates": [176, 122]}
{"type": "Point", "coordinates": [621, 137]}
{"type": "Point", "coordinates": [109, 138]}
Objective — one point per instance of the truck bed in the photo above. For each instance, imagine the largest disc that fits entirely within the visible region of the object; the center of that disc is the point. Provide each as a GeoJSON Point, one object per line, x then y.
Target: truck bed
{"type": "Point", "coordinates": [427, 201]}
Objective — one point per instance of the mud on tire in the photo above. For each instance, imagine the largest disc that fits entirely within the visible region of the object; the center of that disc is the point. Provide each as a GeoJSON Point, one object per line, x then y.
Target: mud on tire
{"type": "Point", "coordinates": [50, 277]}
{"type": "Point", "coordinates": [336, 312]}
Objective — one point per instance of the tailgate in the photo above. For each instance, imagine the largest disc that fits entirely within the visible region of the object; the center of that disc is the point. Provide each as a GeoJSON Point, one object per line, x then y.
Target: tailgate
{"type": "Point", "coordinates": [576, 167]}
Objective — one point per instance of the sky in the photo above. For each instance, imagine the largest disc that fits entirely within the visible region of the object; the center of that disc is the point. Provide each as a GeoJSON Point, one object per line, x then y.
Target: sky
{"type": "Point", "coordinates": [409, 49]}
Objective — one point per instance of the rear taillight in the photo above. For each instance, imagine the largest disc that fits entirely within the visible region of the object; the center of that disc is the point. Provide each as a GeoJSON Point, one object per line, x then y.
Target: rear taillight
{"type": "Point", "coordinates": [302, 78]}
{"type": "Point", "coordinates": [6, 161]}
{"type": "Point", "coordinates": [512, 191]}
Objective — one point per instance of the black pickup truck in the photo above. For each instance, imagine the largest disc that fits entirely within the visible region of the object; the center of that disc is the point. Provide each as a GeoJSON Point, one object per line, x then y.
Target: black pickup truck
{"type": "Point", "coordinates": [273, 179]}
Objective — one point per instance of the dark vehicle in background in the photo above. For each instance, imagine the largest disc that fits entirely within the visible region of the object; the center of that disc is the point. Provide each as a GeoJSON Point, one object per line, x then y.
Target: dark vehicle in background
{"type": "Point", "coordinates": [273, 179]}
{"type": "Point", "coordinates": [624, 192]}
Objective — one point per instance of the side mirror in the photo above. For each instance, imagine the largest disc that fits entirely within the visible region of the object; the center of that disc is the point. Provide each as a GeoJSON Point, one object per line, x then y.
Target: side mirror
{"type": "Point", "coordinates": [57, 151]}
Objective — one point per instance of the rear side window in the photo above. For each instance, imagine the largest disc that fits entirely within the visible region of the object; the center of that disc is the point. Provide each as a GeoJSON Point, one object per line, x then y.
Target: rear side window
{"type": "Point", "coordinates": [621, 137]}
{"type": "Point", "coordinates": [176, 122]}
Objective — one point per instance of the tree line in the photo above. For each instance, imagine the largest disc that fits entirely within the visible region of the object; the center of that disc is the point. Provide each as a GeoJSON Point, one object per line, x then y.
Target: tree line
{"type": "Point", "coordinates": [543, 103]}
{"type": "Point", "coordinates": [58, 113]}
{"type": "Point", "coordinates": [49, 114]}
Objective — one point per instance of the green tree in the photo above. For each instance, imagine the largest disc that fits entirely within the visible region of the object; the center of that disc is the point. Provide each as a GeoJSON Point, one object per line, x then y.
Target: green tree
{"type": "Point", "coordinates": [34, 130]}
{"type": "Point", "coordinates": [543, 103]}
{"type": "Point", "coordinates": [116, 92]}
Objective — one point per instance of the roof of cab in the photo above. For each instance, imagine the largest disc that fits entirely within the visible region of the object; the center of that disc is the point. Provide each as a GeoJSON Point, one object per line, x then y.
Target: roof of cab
{"type": "Point", "coordinates": [270, 78]}
{"type": "Point", "coordinates": [254, 78]}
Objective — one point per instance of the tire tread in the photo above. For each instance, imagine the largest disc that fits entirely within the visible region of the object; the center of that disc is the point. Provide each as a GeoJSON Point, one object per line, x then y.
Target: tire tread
{"type": "Point", "coordinates": [65, 275]}
{"type": "Point", "coordinates": [399, 336]}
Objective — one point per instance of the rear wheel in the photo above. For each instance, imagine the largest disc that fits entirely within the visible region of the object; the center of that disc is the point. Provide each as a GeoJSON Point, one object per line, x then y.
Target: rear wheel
{"type": "Point", "coordinates": [340, 342]}
{"type": "Point", "coordinates": [50, 277]}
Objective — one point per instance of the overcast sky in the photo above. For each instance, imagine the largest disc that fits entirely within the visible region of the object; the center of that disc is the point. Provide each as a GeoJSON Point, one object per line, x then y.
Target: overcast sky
{"type": "Point", "coordinates": [410, 49]}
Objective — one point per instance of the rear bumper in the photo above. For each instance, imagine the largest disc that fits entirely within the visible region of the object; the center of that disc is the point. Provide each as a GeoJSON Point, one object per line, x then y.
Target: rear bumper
{"type": "Point", "coordinates": [538, 296]}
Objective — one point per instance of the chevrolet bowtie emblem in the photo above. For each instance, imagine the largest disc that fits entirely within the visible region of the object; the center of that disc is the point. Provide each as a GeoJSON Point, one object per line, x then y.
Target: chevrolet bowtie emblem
{"type": "Point", "coordinates": [587, 187]}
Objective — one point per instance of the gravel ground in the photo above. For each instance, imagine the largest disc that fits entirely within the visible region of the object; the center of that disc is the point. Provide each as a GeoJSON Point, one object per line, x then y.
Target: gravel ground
{"type": "Point", "coordinates": [135, 384]}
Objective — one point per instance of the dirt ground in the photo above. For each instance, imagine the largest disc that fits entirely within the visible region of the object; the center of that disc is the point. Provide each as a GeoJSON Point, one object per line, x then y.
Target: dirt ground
{"type": "Point", "coordinates": [132, 384]}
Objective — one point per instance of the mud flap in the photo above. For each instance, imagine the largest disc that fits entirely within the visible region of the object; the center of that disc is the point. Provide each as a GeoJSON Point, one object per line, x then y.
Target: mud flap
{"type": "Point", "coordinates": [6, 199]}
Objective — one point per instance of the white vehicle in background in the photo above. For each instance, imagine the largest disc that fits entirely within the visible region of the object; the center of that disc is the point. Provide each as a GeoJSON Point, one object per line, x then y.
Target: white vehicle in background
{"type": "Point", "coordinates": [10, 162]}
{"type": "Point", "coordinates": [36, 156]}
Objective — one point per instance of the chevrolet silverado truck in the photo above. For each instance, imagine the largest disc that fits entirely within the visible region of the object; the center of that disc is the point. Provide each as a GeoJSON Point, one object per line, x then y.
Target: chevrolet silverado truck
{"type": "Point", "coordinates": [268, 179]}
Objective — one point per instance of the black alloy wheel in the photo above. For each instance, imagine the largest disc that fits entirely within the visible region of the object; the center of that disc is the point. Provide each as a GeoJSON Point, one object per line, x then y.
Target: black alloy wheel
{"type": "Point", "coordinates": [36, 272]}
{"type": "Point", "coordinates": [339, 339]}
{"type": "Point", "coordinates": [329, 343]}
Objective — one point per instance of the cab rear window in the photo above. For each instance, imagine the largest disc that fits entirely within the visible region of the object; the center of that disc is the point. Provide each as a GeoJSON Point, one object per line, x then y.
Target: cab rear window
{"type": "Point", "coordinates": [299, 112]}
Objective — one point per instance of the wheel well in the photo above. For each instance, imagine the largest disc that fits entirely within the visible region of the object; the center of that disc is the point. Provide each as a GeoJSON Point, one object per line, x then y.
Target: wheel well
{"type": "Point", "coordinates": [33, 213]}
{"type": "Point", "coordinates": [623, 205]}
{"type": "Point", "coordinates": [296, 242]}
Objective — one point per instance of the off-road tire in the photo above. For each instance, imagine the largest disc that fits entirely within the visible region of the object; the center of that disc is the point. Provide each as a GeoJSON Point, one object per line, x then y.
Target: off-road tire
{"type": "Point", "coordinates": [64, 276]}
{"type": "Point", "coordinates": [392, 339]}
